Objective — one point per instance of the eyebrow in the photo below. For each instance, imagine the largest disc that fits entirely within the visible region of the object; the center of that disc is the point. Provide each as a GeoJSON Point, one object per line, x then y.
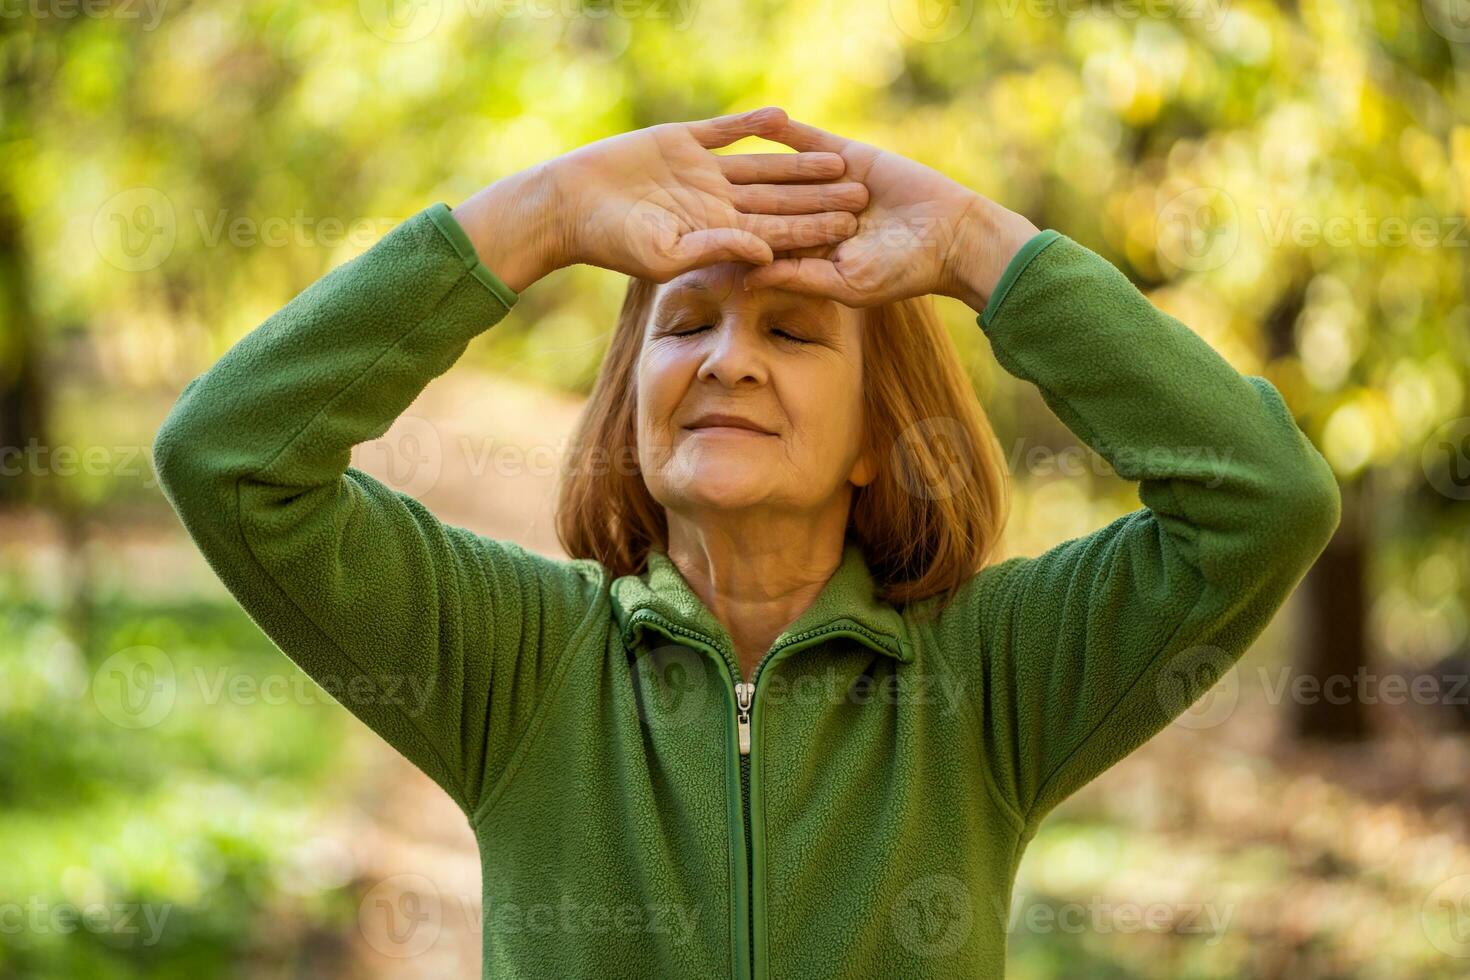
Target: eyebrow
{"type": "Point", "coordinates": [788, 300]}
{"type": "Point", "coordinates": [693, 286]}
{"type": "Point", "coordinates": [822, 318]}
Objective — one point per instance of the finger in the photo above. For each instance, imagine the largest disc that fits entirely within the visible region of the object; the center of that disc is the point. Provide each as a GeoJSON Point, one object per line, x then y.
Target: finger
{"type": "Point", "coordinates": [711, 245]}
{"type": "Point", "coordinates": [776, 168]}
{"type": "Point", "coordinates": [814, 251]}
{"type": "Point", "coordinates": [800, 136]}
{"type": "Point", "coordinates": [785, 232]}
{"type": "Point", "coordinates": [813, 277]}
{"type": "Point", "coordinates": [800, 198]}
{"type": "Point", "coordinates": [724, 130]}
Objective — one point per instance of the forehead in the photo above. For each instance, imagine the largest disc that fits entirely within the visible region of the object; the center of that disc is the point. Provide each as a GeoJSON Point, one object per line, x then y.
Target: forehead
{"type": "Point", "coordinates": [720, 285]}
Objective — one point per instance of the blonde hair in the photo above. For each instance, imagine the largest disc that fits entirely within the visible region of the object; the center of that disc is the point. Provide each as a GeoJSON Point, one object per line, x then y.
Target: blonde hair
{"type": "Point", "coordinates": [926, 524]}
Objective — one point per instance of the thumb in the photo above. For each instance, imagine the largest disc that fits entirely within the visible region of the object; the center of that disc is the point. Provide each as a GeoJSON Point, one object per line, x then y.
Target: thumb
{"type": "Point", "coordinates": [711, 245]}
{"type": "Point", "coordinates": [812, 276]}
{"type": "Point", "coordinates": [775, 275]}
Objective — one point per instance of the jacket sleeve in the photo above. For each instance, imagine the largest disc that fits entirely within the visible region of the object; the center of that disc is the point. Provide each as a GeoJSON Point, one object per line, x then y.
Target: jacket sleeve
{"type": "Point", "coordinates": [1088, 650]}
{"type": "Point", "coordinates": [440, 640]}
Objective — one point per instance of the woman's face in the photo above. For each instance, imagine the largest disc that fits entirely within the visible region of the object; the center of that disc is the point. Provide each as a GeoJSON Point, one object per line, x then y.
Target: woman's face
{"type": "Point", "coordinates": [788, 364]}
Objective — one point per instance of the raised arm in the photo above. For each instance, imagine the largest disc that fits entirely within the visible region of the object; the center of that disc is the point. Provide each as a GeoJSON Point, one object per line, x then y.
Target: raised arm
{"type": "Point", "coordinates": [440, 640]}
{"type": "Point", "coordinates": [1074, 658]}
{"type": "Point", "coordinates": [1088, 650]}
{"type": "Point", "coordinates": [414, 626]}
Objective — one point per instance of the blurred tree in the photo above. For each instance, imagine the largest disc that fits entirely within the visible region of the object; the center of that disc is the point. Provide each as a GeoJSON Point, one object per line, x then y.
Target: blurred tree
{"type": "Point", "coordinates": [23, 394]}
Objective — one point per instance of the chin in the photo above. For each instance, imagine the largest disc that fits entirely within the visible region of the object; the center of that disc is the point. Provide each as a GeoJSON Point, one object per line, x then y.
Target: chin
{"type": "Point", "coordinates": [726, 483]}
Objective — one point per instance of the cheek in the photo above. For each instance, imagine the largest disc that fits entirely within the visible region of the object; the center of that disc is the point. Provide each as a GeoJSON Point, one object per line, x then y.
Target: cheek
{"type": "Point", "coordinates": [825, 408]}
{"type": "Point", "coordinates": [661, 382]}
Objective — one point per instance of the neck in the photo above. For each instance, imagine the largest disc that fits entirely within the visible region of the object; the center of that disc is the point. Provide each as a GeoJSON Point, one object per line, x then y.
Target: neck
{"type": "Point", "coordinates": [756, 575]}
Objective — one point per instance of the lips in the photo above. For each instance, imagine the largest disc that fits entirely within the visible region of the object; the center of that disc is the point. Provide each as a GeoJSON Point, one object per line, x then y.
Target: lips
{"type": "Point", "coordinates": [717, 420]}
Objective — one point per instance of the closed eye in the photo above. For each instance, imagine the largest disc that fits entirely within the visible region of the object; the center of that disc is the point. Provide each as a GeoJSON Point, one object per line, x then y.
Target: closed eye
{"type": "Point", "coordinates": [709, 326]}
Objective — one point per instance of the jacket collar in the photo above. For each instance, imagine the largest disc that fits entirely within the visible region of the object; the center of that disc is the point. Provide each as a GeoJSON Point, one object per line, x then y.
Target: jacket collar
{"type": "Point", "coordinates": [846, 605]}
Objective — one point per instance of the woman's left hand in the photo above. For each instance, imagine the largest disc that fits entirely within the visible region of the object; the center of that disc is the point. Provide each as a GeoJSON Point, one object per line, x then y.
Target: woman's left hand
{"type": "Point", "coordinates": [921, 233]}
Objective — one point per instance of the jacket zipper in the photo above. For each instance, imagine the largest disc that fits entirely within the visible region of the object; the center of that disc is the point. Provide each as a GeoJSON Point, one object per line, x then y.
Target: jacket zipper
{"type": "Point", "coordinates": [744, 698]}
{"type": "Point", "coordinates": [744, 968]}
{"type": "Point", "coordinates": [744, 692]}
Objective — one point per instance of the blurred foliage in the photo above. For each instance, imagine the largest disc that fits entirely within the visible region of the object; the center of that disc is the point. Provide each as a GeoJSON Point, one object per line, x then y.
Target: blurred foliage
{"type": "Point", "coordinates": [191, 831]}
{"type": "Point", "coordinates": [179, 170]}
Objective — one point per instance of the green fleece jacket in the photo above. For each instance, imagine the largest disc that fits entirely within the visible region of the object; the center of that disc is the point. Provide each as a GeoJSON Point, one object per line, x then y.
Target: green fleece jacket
{"type": "Point", "coordinates": [590, 730]}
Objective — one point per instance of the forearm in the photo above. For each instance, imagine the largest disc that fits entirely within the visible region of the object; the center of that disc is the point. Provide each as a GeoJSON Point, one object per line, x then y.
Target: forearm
{"type": "Point", "coordinates": [517, 227]}
{"type": "Point", "coordinates": [986, 238]}
{"type": "Point", "coordinates": [1219, 457]}
{"type": "Point", "coordinates": [1095, 645]}
{"type": "Point", "coordinates": [332, 368]}
{"type": "Point", "coordinates": [358, 584]}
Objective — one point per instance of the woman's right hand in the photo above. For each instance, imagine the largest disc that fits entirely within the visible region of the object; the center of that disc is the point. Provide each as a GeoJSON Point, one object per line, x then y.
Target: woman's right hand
{"type": "Point", "coordinates": [655, 202]}
{"type": "Point", "coordinates": [921, 233]}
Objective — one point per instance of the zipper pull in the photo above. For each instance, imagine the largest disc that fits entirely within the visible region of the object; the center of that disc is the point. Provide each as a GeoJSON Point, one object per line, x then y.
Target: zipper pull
{"type": "Point", "coordinates": [744, 692]}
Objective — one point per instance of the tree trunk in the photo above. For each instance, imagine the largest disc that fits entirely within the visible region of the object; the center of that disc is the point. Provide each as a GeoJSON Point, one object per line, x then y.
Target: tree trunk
{"type": "Point", "coordinates": [1335, 642]}
{"type": "Point", "coordinates": [22, 389]}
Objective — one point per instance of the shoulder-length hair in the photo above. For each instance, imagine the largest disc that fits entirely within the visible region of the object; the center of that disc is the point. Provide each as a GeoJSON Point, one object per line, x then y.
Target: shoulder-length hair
{"type": "Point", "coordinates": [926, 524]}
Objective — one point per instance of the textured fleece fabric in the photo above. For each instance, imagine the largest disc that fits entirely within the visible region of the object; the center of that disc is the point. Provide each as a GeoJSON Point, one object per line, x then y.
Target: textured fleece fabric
{"type": "Point", "coordinates": [587, 727]}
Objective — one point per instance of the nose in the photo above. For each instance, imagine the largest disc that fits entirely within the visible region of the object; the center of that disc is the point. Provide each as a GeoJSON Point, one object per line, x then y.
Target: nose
{"type": "Point", "coordinates": [733, 356]}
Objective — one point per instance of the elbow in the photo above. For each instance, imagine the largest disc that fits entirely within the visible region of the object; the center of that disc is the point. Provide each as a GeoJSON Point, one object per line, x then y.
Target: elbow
{"type": "Point", "coordinates": [180, 456]}
{"type": "Point", "coordinates": [170, 456]}
{"type": "Point", "coordinates": [1331, 505]}
{"type": "Point", "coordinates": [1314, 506]}
{"type": "Point", "coordinates": [1309, 502]}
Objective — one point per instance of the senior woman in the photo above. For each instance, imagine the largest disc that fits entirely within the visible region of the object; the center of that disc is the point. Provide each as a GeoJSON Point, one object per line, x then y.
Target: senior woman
{"type": "Point", "coordinates": [781, 714]}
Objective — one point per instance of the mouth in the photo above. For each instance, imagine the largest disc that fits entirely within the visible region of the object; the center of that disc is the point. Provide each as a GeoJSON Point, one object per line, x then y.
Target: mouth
{"type": "Point", "coordinates": [725, 430]}
{"type": "Point", "coordinates": [726, 425]}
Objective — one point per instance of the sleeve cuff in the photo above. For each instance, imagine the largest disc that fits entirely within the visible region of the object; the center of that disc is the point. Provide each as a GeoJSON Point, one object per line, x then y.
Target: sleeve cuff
{"type": "Point", "coordinates": [450, 228]}
{"type": "Point", "coordinates": [1013, 270]}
